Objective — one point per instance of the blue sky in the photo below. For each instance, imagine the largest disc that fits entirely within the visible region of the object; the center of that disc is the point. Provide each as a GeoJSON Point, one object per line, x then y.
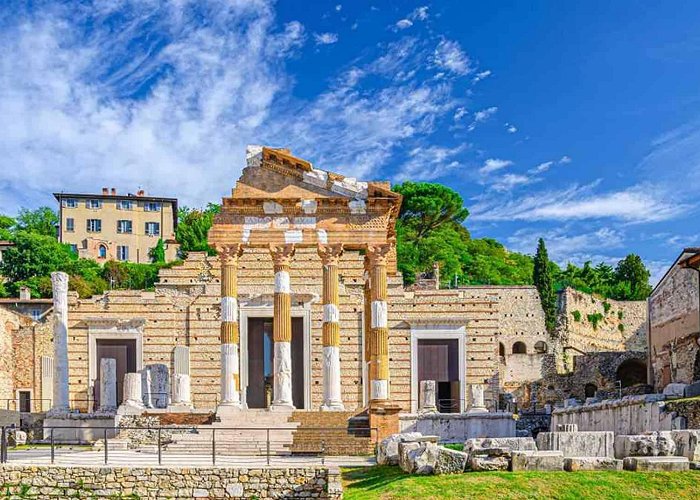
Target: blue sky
{"type": "Point", "coordinates": [575, 121]}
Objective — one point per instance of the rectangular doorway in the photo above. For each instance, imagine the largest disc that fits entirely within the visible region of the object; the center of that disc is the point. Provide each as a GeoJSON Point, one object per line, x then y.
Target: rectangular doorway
{"type": "Point", "coordinates": [261, 348]}
{"type": "Point", "coordinates": [438, 360]}
{"type": "Point", "coordinates": [124, 352]}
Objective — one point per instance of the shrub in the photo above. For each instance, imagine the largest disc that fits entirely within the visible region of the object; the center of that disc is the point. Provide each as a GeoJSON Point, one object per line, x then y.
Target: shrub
{"type": "Point", "coordinates": [606, 307]}
{"type": "Point", "coordinates": [620, 315]}
{"type": "Point", "coordinates": [577, 315]}
{"type": "Point", "coordinates": [594, 319]}
{"type": "Point", "coordinates": [621, 327]}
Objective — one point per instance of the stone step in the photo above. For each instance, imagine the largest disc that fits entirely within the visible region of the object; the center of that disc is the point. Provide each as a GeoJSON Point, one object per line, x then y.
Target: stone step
{"type": "Point", "coordinates": [656, 463]}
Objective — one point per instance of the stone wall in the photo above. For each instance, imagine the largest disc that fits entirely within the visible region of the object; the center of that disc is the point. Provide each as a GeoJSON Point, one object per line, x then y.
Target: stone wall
{"type": "Point", "coordinates": [675, 328]}
{"type": "Point", "coordinates": [9, 323]}
{"type": "Point", "coordinates": [170, 482]}
{"type": "Point", "coordinates": [456, 428]}
{"type": "Point", "coordinates": [687, 408]}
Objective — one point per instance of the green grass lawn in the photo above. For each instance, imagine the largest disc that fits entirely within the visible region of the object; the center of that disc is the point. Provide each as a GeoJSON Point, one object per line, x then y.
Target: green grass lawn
{"type": "Point", "coordinates": [390, 482]}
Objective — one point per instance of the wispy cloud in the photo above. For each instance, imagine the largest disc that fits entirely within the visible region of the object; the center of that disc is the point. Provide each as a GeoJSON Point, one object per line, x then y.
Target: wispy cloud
{"type": "Point", "coordinates": [510, 181]}
{"type": "Point", "coordinates": [419, 14]}
{"type": "Point", "coordinates": [510, 128]}
{"type": "Point", "coordinates": [481, 75]}
{"type": "Point", "coordinates": [482, 116]}
{"type": "Point", "coordinates": [567, 243]}
{"type": "Point", "coordinates": [449, 56]}
{"type": "Point", "coordinates": [325, 38]}
{"type": "Point", "coordinates": [545, 166]}
{"type": "Point", "coordinates": [429, 163]}
{"type": "Point", "coordinates": [494, 164]}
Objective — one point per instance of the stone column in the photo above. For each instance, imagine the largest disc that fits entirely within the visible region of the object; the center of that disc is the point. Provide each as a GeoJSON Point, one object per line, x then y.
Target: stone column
{"type": "Point", "coordinates": [282, 328]}
{"type": "Point", "coordinates": [476, 399]}
{"type": "Point", "coordinates": [332, 400]}
{"type": "Point", "coordinates": [181, 390]}
{"type": "Point", "coordinates": [230, 338]}
{"type": "Point", "coordinates": [59, 282]}
{"type": "Point", "coordinates": [133, 393]}
{"type": "Point", "coordinates": [108, 385]}
{"type": "Point", "coordinates": [379, 333]}
{"type": "Point", "coordinates": [427, 397]}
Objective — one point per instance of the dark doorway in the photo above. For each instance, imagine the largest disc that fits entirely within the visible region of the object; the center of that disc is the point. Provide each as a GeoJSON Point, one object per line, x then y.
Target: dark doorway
{"type": "Point", "coordinates": [25, 401]}
{"type": "Point", "coordinates": [632, 372]}
{"type": "Point", "coordinates": [438, 360]}
{"type": "Point", "coordinates": [124, 352]}
{"type": "Point", "coordinates": [261, 352]}
{"type": "Point", "coordinates": [589, 390]}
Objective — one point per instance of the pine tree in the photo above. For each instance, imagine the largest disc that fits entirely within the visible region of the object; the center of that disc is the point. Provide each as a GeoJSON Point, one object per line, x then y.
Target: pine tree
{"type": "Point", "coordinates": [542, 278]}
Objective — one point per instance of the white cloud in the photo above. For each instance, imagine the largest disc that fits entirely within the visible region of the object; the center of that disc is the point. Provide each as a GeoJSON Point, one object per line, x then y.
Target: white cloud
{"type": "Point", "coordinates": [542, 167]}
{"type": "Point", "coordinates": [481, 75]}
{"type": "Point", "coordinates": [449, 56]}
{"type": "Point", "coordinates": [460, 113]}
{"type": "Point", "coordinates": [510, 181]}
{"type": "Point", "coordinates": [569, 244]}
{"type": "Point", "coordinates": [429, 163]}
{"type": "Point", "coordinates": [511, 128]}
{"type": "Point", "coordinates": [402, 24]}
{"type": "Point", "coordinates": [421, 13]}
{"type": "Point", "coordinates": [493, 164]}
{"type": "Point", "coordinates": [338, 7]}
{"type": "Point", "coordinates": [635, 204]}
{"type": "Point", "coordinates": [565, 159]}
{"type": "Point", "coordinates": [325, 38]}
{"type": "Point", "coordinates": [482, 116]}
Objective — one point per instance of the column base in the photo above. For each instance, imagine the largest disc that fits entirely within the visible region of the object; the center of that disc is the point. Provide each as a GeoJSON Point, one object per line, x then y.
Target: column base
{"type": "Point", "coordinates": [333, 406]}
{"type": "Point", "coordinates": [228, 409]}
{"type": "Point", "coordinates": [282, 407]}
{"type": "Point", "coordinates": [476, 411]}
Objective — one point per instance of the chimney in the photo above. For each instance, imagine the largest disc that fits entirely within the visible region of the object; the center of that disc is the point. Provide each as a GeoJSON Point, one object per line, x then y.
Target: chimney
{"type": "Point", "coordinates": [105, 191]}
{"type": "Point", "coordinates": [24, 293]}
{"type": "Point", "coordinates": [114, 191]}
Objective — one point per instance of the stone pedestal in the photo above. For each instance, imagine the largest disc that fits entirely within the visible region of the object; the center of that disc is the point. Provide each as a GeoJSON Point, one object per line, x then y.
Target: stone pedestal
{"type": "Point", "coordinates": [181, 391]}
{"type": "Point", "coordinates": [59, 282]}
{"type": "Point", "coordinates": [283, 377]}
{"type": "Point", "coordinates": [133, 395]}
{"type": "Point", "coordinates": [427, 397]}
{"type": "Point", "coordinates": [476, 399]}
{"type": "Point", "coordinates": [156, 384]}
{"type": "Point", "coordinates": [108, 385]}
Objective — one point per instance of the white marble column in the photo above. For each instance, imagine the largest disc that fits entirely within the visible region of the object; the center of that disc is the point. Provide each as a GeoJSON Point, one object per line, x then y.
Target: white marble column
{"type": "Point", "coordinates": [108, 385]}
{"type": "Point", "coordinates": [332, 399]}
{"type": "Point", "coordinates": [59, 282]}
{"type": "Point", "coordinates": [181, 390]}
{"type": "Point", "coordinates": [282, 328]}
{"type": "Point", "coordinates": [427, 397]}
{"type": "Point", "coordinates": [133, 389]}
{"type": "Point", "coordinates": [230, 337]}
{"type": "Point", "coordinates": [476, 399]}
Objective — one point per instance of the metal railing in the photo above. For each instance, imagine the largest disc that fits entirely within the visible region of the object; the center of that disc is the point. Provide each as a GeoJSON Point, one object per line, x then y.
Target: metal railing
{"type": "Point", "coordinates": [112, 432]}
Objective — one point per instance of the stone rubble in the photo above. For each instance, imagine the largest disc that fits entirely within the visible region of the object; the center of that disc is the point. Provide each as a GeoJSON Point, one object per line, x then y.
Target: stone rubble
{"type": "Point", "coordinates": [388, 449]}
{"type": "Point", "coordinates": [651, 444]}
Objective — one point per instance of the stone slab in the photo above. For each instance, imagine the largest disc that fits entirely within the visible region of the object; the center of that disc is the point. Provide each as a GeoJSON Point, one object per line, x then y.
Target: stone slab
{"type": "Point", "coordinates": [575, 464]}
{"type": "Point", "coordinates": [388, 449]}
{"type": "Point", "coordinates": [656, 464]}
{"type": "Point", "coordinates": [450, 461]}
{"type": "Point", "coordinates": [484, 463]}
{"type": "Point", "coordinates": [692, 390]}
{"type": "Point", "coordinates": [687, 443]}
{"type": "Point", "coordinates": [537, 461]}
{"type": "Point", "coordinates": [514, 443]}
{"type": "Point", "coordinates": [578, 444]}
{"type": "Point", "coordinates": [651, 444]}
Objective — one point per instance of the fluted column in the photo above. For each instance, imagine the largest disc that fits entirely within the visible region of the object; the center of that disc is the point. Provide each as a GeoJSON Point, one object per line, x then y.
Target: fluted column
{"type": "Point", "coordinates": [59, 282]}
{"type": "Point", "coordinates": [230, 338]}
{"type": "Point", "coordinates": [367, 327]}
{"type": "Point", "coordinates": [330, 255]}
{"type": "Point", "coordinates": [282, 328]}
{"type": "Point", "coordinates": [379, 333]}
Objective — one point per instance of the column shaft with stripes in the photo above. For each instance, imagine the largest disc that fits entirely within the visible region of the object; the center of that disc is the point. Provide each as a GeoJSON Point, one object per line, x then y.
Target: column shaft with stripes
{"type": "Point", "coordinates": [230, 338]}
{"type": "Point", "coordinates": [332, 399]}
{"type": "Point", "coordinates": [379, 331]}
{"type": "Point", "coordinates": [282, 327]}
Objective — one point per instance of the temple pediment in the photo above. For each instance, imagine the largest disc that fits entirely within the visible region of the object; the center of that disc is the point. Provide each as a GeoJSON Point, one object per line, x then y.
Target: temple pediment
{"type": "Point", "coordinates": [282, 199]}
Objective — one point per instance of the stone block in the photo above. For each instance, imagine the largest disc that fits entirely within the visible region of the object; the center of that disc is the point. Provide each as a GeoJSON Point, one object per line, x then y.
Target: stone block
{"type": "Point", "coordinates": [491, 452]}
{"type": "Point", "coordinates": [692, 390]}
{"type": "Point", "coordinates": [404, 449]}
{"type": "Point", "coordinates": [694, 465]}
{"type": "Point", "coordinates": [687, 443]}
{"type": "Point", "coordinates": [450, 461]}
{"type": "Point", "coordinates": [483, 463]}
{"type": "Point", "coordinates": [574, 464]}
{"type": "Point", "coordinates": [656, 464]}
{"type": "Point", "coordinates": [567, 428]}
{"type": "Point", "coordinates": [651, 444]}
{"type": "Point", "coordinates": [537, 461]}
{"type": "Point", "coordinates": [388, 449]}
{"type": "Point", "coordinates": [16, 437]}
{"type": "Point", "coordinates": [675, 390]}
{"type": "Point", "coordinates": [514, 443]}
{"type": "Point", "coordinates": [578, 444]}
{"type": "Point", "coordinates": [419, 458]}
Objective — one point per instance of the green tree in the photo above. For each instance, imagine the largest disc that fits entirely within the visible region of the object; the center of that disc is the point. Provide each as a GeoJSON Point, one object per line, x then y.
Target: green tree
{"type": "Point", "coordinates": [427, 206]}
{"type": "Point", "coordinates": [34, 254]}
{"type": "Point", "coordinates": [6, 224]}
{"type": "Point", "coordinates": [543, 281]}
{"type": "Point", "coordinates": [633, 274]}
{"type": "Point", "coordinates": [43, 220]}
{"type": "Point", "coordinates": [193, 228]}
{"type": "Point", "coordinates": [157, 253]}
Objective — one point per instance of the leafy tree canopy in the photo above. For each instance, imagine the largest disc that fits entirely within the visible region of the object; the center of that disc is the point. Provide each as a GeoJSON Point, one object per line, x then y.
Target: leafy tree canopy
{"type": "Point", "coordinates": [193, 228]}
{"type": "Point", "coordinates": [43, 220]}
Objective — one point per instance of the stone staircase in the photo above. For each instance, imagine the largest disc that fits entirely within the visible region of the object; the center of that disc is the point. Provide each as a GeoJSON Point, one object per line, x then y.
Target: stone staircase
{"type": "Point", "coordinates": [332, 433]}
{"type": "Point", "coordinates": [240, 433]}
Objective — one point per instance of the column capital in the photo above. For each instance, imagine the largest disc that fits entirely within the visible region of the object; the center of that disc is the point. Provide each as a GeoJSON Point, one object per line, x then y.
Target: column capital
{"type": "Point", "coordinates": [282, 254]}
{"type": "Point", "coordinates": [376, 255]}
{"type": "Point", "coordinates": [228, 254]}
{"type": "Point", "coordinates": [330, 254]}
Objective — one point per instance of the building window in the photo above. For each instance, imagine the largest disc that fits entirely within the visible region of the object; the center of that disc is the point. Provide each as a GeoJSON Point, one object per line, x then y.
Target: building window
{"type": "Point", "coordinates": [70, 203]}
{"type": "Point", "coordinates": [124, 226]}
{"type": "Point", "coordinates": [152, 228]}
{"type": "Point", "coordinates": [94, 225]}
{"type": "Point", "coordinates": [122, 252]}
{"type": "Point", "coordinates": [541, 347]}
{"type": "Point", "coordinates": [124, 205]}
{"type": "Point", "coordinates": [102, 252]}
{"type": "Point", "coordinates": [519, 348]}
{"type": "Point", "coordinates": [151, 206]}
{"type": "Point", "coordinates": [94, 204]}
{"type": "Point", "coordinates": [74, 248]}
{"type": "Point", "coordinates": [35, 314]}
{"type": "Point", "coordinates": [24, 401]}
{"type": "Point", "coordinates": [70, 224]}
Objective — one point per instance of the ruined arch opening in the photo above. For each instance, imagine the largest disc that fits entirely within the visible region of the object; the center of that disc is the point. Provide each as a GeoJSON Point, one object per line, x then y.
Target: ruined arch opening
{"type": "Point", "coordinates": [696, 367]}
{"type": "Point", "coordinates": [632, 372]}
{"type": "Point", "coordinates": [501, 350]}
{"type": "Point", "coordinates": [541, 347]}
{"type": "Point", "coordinates": [589, 390]}
{"type": "Point", "coordinates": [519, 348]}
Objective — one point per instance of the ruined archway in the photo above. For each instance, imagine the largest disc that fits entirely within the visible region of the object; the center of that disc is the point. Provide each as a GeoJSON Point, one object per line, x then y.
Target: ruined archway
{"type": "Point", "coordinates": [519, 348]}
{"type": "Point", "coordinates": [632, 372]}
{"type": "Point", "coordinates": [589, 390]}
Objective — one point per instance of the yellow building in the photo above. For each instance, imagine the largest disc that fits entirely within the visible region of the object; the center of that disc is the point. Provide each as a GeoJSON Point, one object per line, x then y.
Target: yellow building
{"type": "Point", "coordinates": [109, 226]}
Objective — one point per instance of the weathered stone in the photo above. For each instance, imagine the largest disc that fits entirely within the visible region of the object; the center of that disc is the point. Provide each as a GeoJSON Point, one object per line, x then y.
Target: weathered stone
{"type": "Point", "coordinates": [675, 390]}
{"type": "Point", "coordinates": [567, 428]}
{"type": "Point", "coordinates": [687, 443]}
{"type": "Point", "coordinates": [388, 449]}
{"type": "Point", "coordinates": [422, 460]}
{"type": "Point", "coordinates": [692, 390]}
{"type": "Point", "coordinates": [234, 490]}
{"type": "Point", "coordinates": [537, 461]}
{"type": "Point", "coordinates": [476, 400]}
{"type": "Point", "coordinates": [514, 443]}
{"type": "Point", "coordinates": [645, 445]}
{"type": "Point", "coordinates": [578, 444]}
{"type": "Point", "coordinates": [574, 464]}
{"type": "Point", "coordinates": [484, 463]}
{"type": "Point", "coordinates": [656, 463]}
{"type": "Point", "coordinates": [450, 461]}
{"type": "Point", "coordinates": [428, 396]}
{"type": "Point", "coordinates": [16, 437]}
{"type": "Point", "coordinates": [156, 383]}
{"type": "Point", "coordinates": [404, 449]}
{"type": "Point", "coordinates": [108, 385]}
